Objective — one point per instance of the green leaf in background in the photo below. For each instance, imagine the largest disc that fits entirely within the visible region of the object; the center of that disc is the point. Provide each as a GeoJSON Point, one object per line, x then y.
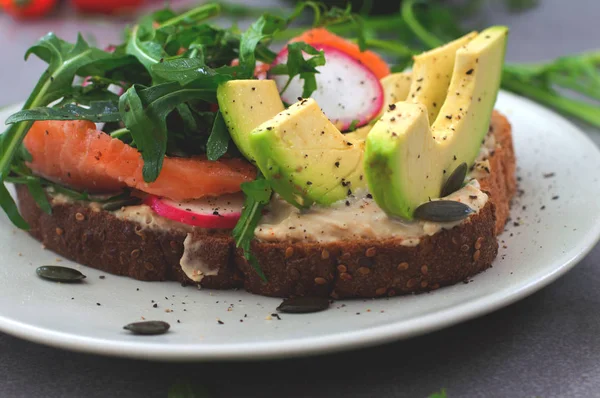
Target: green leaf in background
{"type": "Point", "coordinates": [441, 394]}
{"type": "Point", "coordinates": [218, 142]}
{"type": "Point", "coordinates": [98, 112]}
{"type": "Point", "coordinates": [579, 74]}
{"type": "Point", "coordinates": [183, 389]}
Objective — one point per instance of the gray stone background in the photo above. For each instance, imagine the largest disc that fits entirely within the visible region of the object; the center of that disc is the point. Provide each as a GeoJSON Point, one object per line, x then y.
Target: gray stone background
{"type": "Point", "coordinates": [547, 345]}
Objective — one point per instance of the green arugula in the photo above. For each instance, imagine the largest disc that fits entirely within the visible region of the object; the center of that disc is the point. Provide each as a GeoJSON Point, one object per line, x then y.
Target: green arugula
{"type": "Point", "coordinates": [263, 29]}
{"type": "Point", "coordinates": [145, 110]}
{"type": "Point", "coordinates": [297, 65]}
{"type": "Point", "coordinates": [39, 195]}
{"type": "Point", "coordinates": [189, 70]}
{"type": "Point", "coordinates": [65, 61]}
{"type": "Point", "coordinates": [258, 195]}
{"type": "Point", "coordinates": [353, 125]}
{"type": "Point", "coordinates": [218, 142]}
{"type": "Point", "coordinates": [147, 130]}
{"type": "Point", "coordinates": [147, 52]}
{"type": "Point", "coordinates": [98, 111]}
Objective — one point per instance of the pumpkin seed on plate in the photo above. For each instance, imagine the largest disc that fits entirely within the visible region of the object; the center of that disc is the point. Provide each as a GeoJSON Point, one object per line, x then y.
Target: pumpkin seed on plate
{"type": "Point", "coordinates": [148, 327]}
{"type": "Point", "coordinates": [303, 305]}
{"type": "Point", "coordinates": [59, 274]}
{"type": "Point", "coordinates": [442, 211]}
{"type": "Point", "coordinates": [455, 180]}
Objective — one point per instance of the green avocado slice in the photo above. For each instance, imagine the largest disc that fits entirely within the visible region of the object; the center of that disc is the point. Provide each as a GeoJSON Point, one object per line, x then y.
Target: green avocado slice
{"type": "Point", "coordinates": [245, 105]}
{"type": "Point", "coordinates": [406, 160]}
{"type": "Point", "coordinates": [395, 88]}
{"type": "Point", "coordinates": [306, 158]}
{"type": "Point", "coordinates": [432, 71]}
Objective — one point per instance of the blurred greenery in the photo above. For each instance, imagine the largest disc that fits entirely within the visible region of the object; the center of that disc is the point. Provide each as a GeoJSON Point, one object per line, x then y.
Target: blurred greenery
{"type": "Point", "coordinates": [380, 7]}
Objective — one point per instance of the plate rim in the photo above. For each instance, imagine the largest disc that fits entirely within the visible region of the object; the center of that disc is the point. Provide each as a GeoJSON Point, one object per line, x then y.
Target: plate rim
{"type": "Point", "coordinates": [299, 347]}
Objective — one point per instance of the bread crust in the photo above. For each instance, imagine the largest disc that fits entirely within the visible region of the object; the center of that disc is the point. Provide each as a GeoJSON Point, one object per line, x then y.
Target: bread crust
{"type": "Point", "coordinates": [344, 269]}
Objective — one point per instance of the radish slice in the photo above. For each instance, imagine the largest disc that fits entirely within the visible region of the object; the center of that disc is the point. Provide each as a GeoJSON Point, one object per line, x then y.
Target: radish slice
{"type": "Point", "coordinates": [347, 91]}
{"type": "Point", "coordinates": [222, 212]}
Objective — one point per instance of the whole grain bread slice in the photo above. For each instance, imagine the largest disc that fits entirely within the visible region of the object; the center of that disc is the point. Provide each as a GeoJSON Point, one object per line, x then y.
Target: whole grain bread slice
{"type": "Point", "coordinates": [344, 269]}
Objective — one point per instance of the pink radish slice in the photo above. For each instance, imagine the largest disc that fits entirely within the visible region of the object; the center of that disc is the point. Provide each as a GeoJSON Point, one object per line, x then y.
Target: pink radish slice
{"type": "Point", "coordinates": [346, 89]}
{"type": "Point", "coordinates": [222, 212]}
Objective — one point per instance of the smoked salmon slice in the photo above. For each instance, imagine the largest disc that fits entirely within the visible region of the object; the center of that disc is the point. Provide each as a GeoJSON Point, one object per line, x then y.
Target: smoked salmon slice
{"type": "Point", "coordinates": [75, 154]}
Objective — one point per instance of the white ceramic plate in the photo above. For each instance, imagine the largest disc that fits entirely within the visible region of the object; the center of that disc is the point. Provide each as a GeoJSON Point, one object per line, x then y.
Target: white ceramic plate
{"type": "Point", "coordinates": [546, 243]}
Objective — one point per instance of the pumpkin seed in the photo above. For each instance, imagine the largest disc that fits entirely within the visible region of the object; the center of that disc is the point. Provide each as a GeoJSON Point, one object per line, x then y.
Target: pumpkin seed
{"type": "Point", "coordinates": [304, 305]}
{"type": "Point", "coordinates": [117, 204]}
{"type": "Point", "coordinates": [59, 274]}
{"type": "Point", "coordinates": [148, 327]}
{"type": "Point", "coordinates": [455, 180]}
{"type": "Point", "coordinates": [442, 211]}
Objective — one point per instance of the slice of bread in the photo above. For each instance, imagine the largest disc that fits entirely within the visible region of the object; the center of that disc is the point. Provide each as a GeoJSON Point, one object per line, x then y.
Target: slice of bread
{"type": "Point", "coordinates": [343, 269]}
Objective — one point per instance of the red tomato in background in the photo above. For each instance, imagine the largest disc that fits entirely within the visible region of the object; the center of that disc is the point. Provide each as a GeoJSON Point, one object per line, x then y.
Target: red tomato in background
{"type": "Point", "coordinates": [107, 6]}
{"type": "Point", "coordinates": [27, 8]}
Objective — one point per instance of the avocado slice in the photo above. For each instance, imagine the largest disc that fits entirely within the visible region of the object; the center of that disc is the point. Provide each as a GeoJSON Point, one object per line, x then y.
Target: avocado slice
{"type": "Point", "coordinates": [406, 160]}
{"type": "Point", "coordinates": [245, 105]}
{"type": "Point", "coordinates": [360, 134]}
{"type": "Point", "coordinates": [306, 158]}
{"type": "Point", "coordinates": [431, 74]}
{"type": "Point", "coordinates": [395, 88]}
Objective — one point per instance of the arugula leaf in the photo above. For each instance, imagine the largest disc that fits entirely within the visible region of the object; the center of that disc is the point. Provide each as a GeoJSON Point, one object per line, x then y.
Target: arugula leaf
{"type": "Point", "coordinates": [144, 112]}
{"type": "Point", "coordinates": [22, 175]}
{"type": "Point", "coordinates": [147, 52]}
{"type": "Point", "coordinates": [262, 29]}
{"type": "Point", "coordinates": [39, 195]}
{"type": "Point", "coordinates": [148, 39]}
{"type": "Point", "coordinates": [99, 112]}
{"type": "Point", "coordinates": [258, 194]}
{"type": "Point", "coordinates": [218, 142]}
{"type": "Point", "coordinates": [87, 95]}
{"type": "Point", "coordinates": [148, 131]}
{"type": "Point", "coordinates": [187, 117]}
{"type": "Point", "coordinates": [191, 17]}
{"type": "Point", "coordinates": [353, 125]}
{"type": "Point", "coordinates": [297, 65]}
{"type": "Point", "coordinates": [10, 208]}
{"type": "Point", "coordinates": [65, 61]}
{"type": "Point", "coordinates": [188, 70]}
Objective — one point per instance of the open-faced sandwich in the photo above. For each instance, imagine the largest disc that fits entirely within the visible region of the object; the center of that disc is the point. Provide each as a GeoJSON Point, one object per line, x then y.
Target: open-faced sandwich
{"type": "Point", "coordinates": [197, 154]}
